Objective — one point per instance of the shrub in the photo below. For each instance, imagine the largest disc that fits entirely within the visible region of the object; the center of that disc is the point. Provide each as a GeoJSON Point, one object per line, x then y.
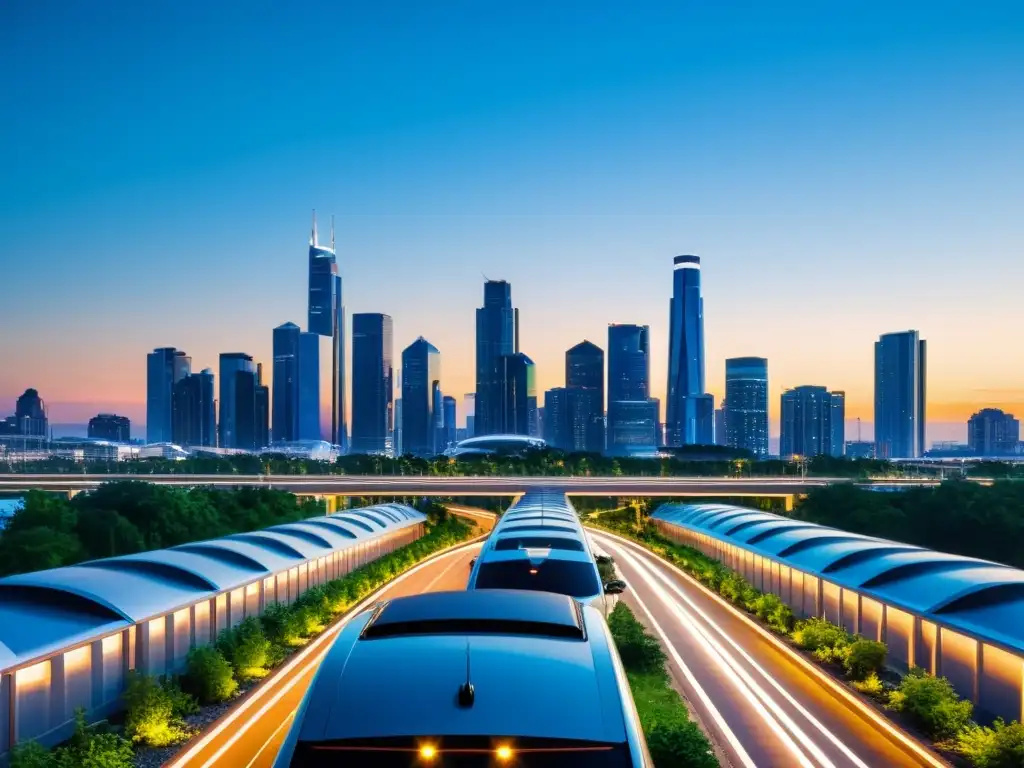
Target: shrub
{"type": "Point", "coordinates": [93, 748]}
{"type": "Point", "coordinates": [871, 685]}
{"type": "Point", "coordinates": [247, 649]}
{"type": "Point", "coordinates": [931, 704]}
{"type": "Point", "coordinates": [732, 587]}
{"type": "Point", "coordinates": [1001, 746]}
{"type": "Point", "coordinates": [154, 712]}
{"type": "Point", "coordinates": [32, 754]}
{"type": "Point", "coordinates": [773, 612]}
{"type": "Point", "coordinates": [672, 738]}
{"type": "Point", "coordinates": [210, 676]}
{"type": "Point", "coordinates": [640, 652]}
{"type": "Point", "coordinates": [281, 625]}
{"type": "Point", "coordinates": [812, 634]}
{"type": "Point", "coordinates": [863, 658]}
{"type": "Point", "coordinates": [308, 620]}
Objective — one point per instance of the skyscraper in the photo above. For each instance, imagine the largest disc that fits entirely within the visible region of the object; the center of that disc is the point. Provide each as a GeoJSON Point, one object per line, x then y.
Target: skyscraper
{"type": "Point", "coordinates": [285, 413]}
{"type": "Point", "coordinates": [689, 410]}
{"type": "Point", "coordinates": [327, 318]}
{"type": "Point", "coordinates": [497, 335]}
{"type": "Point", "coordinates": [557, 432]}
{"type": "Point", "coordinates": [900, 374]}
{"type": "Point", "coordinates": [231, 363]}
{"type": "Point", "coordinates": [993, 432]}
{"type": "Point", "coordinates": [372, 382]}
{"type": "Point", "coordinates": [421, 378]}
{"type": "Point", "coordinates": [252, 409]}
{"type": "Point", "coordinates": [165, 367]}
{"type": "Point", "coordinates": [720, 425]}
{"type": "Point", "coordinates": [518, 395]}
{"type": "Point", "coordinates": [469, 409]}
{"type": "Point", "coordinates": [30, 414]}
{"type": "Point", "coordinates": [746, 395]}
{"type": "Point", "coordinates": [838, 423]}
{"type": "Point", "coordinates": [450, 424]}
{"type": "Point", "coordinates": [807, 428]}
{"type": "Point", "coordinates": [584, 379]}
{"type": "Point", "coordinates": [109, 426]}
{"type": "Point", "coordinates": [632, 413]}
{"type": "Point", "coordinates": [193, 414]}
{"type": "Point", "coordinates": [309, 387]}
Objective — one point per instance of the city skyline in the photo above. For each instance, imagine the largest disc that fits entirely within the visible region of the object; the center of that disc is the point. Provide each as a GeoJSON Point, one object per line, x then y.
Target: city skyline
{"type": "Point", "coordinates": [834, 176]}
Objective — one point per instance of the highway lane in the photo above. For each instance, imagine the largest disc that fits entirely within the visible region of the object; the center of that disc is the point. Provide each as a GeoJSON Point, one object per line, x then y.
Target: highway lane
{"type": "Point", "coordinates": [765, 706]}
{"type": "Point", "coordinates": [250, 735]}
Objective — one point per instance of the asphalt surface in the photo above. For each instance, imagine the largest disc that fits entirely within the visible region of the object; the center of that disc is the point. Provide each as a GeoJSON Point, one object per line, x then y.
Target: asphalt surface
{"type": "Point", "coordinates": [763, 706]}
{"type": "Point", "coordinates": [250, 735]}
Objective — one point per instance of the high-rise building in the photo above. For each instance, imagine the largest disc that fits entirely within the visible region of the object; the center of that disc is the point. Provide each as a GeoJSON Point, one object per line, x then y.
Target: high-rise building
{"type": "Point", "coordinates": [309, 387]}
{"type": "Point", "coordinates": [231, 363]}
{"type": "Point", "coordinates": [421, 379]}
{"type": "Point", "coordinates": [327, 318]}
{"type": "Point", "coordinates": [993, 432]}
{"type": "Point", "coordinates": [689, 410]}
{"type": "Point", "coordinates": [437, 408]}
{"type": "Point", "coordinates": [633, 416]}
{"type": "Point", "coordinates": [285, 414]}
{"type": "Point", "coordinates": [398, 441]}
{"type": "Point", "coordinates": [557, 431]}
{"type": "Point", "coordinates": [518, 395]}
{"type": "Point", "coordinates": [252, 410]}
{"type": "Point", "coordinates": [109, 426]}
{"type": "Point", "coordinates": [193, 410]}
{"type": "Point", "coordinates": [450, 422]}
{"type": "Point", "coordinates": [372, 382]}
{"type": "Point", "coordinates": [746, 395]}
{"type": "Point", "coordinates": [30, 414]}
{"type": "Point", "coordinates": [720, 425]}
{"type": "Point", "coordinates": [838, 423]}
{"type": "Point", "coordinates": [497, 335]}
{"type": "Point", "coordinates": [584, 378]}
{"type": "Point", "coordinates": [807, 428]}
{"type": "Point", "coordinates": [469, 409]}
{"type": "Point", "coordinates": [900, 375]}
{"type": "Point", "coordinates": [165, 367]}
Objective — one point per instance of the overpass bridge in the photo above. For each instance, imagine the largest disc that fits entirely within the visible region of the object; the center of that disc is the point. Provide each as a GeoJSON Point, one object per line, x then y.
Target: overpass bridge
{"type": "Point", "coordinates": [328, 486]}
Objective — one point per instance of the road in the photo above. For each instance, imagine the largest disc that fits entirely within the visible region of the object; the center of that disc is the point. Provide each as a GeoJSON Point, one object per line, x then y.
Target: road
{"type": "Point", "coordinates": [250, 734]}
{"type": "Point", "coordinates": [764, 706]}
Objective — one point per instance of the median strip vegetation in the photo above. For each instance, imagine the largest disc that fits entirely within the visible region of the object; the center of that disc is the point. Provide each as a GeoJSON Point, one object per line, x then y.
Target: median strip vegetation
{"type": "Point", "coordinates": [158, 710]}
{"type": "Point", "coordinates": [923, 702]}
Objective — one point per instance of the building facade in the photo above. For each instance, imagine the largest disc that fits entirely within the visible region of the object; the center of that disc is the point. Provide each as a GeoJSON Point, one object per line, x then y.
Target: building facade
{"type": "Point", "coordinates": [469, 409]}
{"type": "Point", "coordinates": [326, 318]}
{"type": "Point", "coordinates": [165, 367]}
{"type": "Point", "coordinates": [689, 409]}
{"type": "Point", "coordinates": [193, 412]}
{"type": "Point", "coordinates": [900, 376]}
{"type": "Point", "coordinates": [497, 335]}
{"type": "Point", "coordinates": [556, 430]}
{"type": "Point", "coordinates": [252, 410]}
{"type": "Point", "coordinates": [285, 413]}
{"type": "Point", "coordinates": [421, 379]}
{"type": "Point", "coordinates": [30, 414]}
{"type": "Point", "coordinates": [584, 378]}
{"type": "Point", "coordinates": [806, 419]}
{"type": "Point", "coordinates": [109, 426]}
{"type": "Point", "coordinates": [838, 423]}
{"type": "Point", "coordinates": [308, 388]}
{"type": "Point", "coordinates": [746, 396]}
{"type": "Point", "coordinates": [449, 409]}
{"type": "Point", "coordinates": [633, 416]}
{"type": "Point", "coordinates": [993, 432]}
{"type": "Point", "coordinates": [231, 363]}
{"type": "Point", "coordinates": [372, 382]}
{"type": "Point", "coordinates": [518, 395]}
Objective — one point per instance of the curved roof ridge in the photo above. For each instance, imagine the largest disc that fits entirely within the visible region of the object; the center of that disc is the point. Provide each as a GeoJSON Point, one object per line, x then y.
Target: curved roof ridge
{"type": "Point", "coordinates": [275, 543]}
{"type": "Point", "coordinates": [154, 567]}
{"type": "Point", "coordinates": [980, 594]}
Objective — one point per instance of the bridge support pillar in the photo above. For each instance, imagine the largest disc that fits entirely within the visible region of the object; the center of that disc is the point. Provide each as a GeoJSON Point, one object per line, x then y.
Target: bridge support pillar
{"type": "Point", "coordinates": [790, 501]}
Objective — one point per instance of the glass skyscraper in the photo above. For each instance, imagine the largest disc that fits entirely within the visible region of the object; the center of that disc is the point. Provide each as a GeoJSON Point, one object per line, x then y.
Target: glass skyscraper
{"type": "Point", "coordinates": [309, 387]}
{"type": "Point", "coordinates": [518, 395]}
{"type": "Point", "coordinates": [632, 413]}
{"type": "Point", "coordinates": [746, 397]}
{"type": "Point", "coordinates": [838, 423]}
{"type": "Point", "coordinates": [421, 379]}
{"type": "Point", "coordinates": [231, 363]}
{"type": "Point", "coordinates": [193, 420]}
{"type": "Point", "coordinates": [165, 367]}
{"type": "Point", "coordinates": [450, 424]}
{"type": "Point", "coordinates": [372, 382]}
{"type": "Point", "coordinates": [252, 409]}
{"type": "Point", "coordinates": [557, 432]}
{"type": "Point", "coordinates": [327, 318]}
{"type": "Point", "coordinates": [689, 410]}
{"type": "Point", "coordinates": [497, 335]}
{"type": "Point", "coordinates": [584, 380]}
{"type": "Point", "coordinates": [285, 414]}
{"type": "Point", "coordinates": [807, 414]}
{"type": "Point", "coordinates": [900, 395]}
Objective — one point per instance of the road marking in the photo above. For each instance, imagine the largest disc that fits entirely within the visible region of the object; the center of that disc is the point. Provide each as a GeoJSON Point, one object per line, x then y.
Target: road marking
{"type": "Point", "coordinates": [440, 576]}
{"type": "Point", "coordinates": [866, 711]}
{"type": "Point", "coordinates": [296, 661]}
{"type": "Point", "coordinates": [272, 737]}
{"type": "Point", "coordinates": [775, 718]}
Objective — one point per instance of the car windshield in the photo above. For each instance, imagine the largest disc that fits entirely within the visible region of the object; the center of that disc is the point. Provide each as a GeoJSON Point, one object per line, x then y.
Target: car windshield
{"type": "Point", "coordinates": [552, 575]}
{"type": "Point", "coordinates": [459, 753]}
{"type": "Point", "coordinates": [538, 542]}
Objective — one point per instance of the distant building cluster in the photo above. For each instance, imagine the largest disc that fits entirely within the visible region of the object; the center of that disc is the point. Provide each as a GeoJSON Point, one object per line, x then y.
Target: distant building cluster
{"type": "Point", "coordinates": [605, 404]}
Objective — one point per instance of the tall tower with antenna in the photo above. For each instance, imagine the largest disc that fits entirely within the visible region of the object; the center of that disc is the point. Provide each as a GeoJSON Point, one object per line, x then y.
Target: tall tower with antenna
{"type": "Point", "coordinates": [327, 318]}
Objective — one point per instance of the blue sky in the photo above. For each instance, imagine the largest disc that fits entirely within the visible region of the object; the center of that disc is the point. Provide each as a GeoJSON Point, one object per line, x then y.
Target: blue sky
{"type": "Point", "coordinates": [844, 169]}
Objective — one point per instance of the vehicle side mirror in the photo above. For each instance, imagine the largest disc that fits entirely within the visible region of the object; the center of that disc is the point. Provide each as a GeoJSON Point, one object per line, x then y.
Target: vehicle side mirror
{"type": "Point", "coordinates": [615, 587]}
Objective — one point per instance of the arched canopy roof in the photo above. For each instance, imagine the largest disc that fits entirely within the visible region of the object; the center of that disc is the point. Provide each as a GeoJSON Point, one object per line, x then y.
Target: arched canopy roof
{"type": "Point", "coordinates": [46, 611]}
{"type": "Point", "coordinates": [980, 597]}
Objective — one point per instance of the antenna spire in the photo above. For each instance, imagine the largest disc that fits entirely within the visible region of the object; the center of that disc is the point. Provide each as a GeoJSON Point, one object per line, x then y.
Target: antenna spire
{"type": "Point", "coordinates": [332, 231]}
{"type": "Point", "coordinates": [467, 694]}
{"type": "Point", "coordinates": [312, 236]}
